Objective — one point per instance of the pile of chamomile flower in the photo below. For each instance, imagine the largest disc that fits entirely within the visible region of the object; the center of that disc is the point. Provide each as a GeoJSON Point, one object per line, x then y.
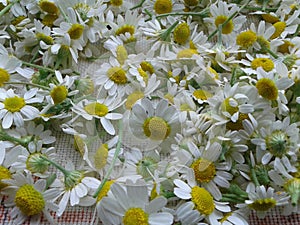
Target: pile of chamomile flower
{"type": "Point", "coordinates": [179, 111]}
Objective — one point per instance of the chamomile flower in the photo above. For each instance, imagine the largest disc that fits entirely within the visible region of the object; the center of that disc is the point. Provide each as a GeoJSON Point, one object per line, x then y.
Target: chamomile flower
{"type": "Point", "coordinates": [155, 122]}
{"type": "Point", "coordinates": [262, 200]}
{"type": "Point", "coordinates": [199, 205]}
{"type": "Point", "coordinates": [131, 205]}
{"type": "Point", "coordinates": [101, 109]}
{"type": "Point", "coordinates": [203, 165]}
{"type": "Point", "coordinates": [14, 109]}
{"type": "Point", "coordinates": [3, 146]}
{"type": "Point", "coordinates": [220, 12]}
{"type": "Point", "coordinates": [29, 199]}
{"type": "Point", "coordinates": [30, 159]}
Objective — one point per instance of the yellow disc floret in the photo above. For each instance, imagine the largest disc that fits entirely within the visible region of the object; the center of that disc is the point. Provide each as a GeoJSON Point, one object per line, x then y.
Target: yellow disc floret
{"type": "Point", "coordinates": [14, 104]}
{"type": "Point", "coordinates": [96, 109]}
{"type": "Point", "coordinates": [146, 66]}
{"type": "Point", "coordinates": [204, 170]}
{"type": "Point", "coordinates": [104, 190]}
{"type": "Point", "coordinates": [246, 38]}
{"type": "Point", "coordinates": [75, 31]}
{"type": "Point", "coordinates": [163, 6]}
{"type": "Point", "coordinates": [279, 28]}
{"type": "Point", "coordinates": [202, 94]}
{"type": "Point", "coordinates": [266, 63]}
{"type": "Point", "coordinates": [4, 174]}
{"type": "Point", "coordinates": [43, 37]}
{"type": "Point", "coordinates": [132, 98]}
{"type": "Point", "coordinates": [116, 2]}
{"type": "Point", "coordinates": [49, 7]}
{"type": "Point", "coordinates": [125, 29]}
{"type": "Point", "coordinates": [59, 94]}
{"type": "Point", "coordinates": [270, 18]}
{"type": "Point", "coordinates": [263, 204]}
{"type": "Point", "coordinates": [181, 33]}
{"type": "Point", "coordinates": [29, 200]}
{"type": "Point", "coordinates": [191, 2]}
{"type": "Point", "coordinates": [100, 157]}
{"type": "Point", "coordinates": [134, 216]}
{"type": "Point", "coordinates": [4, 76]}
{"type": "Point", "coordinates": [186, 53]}
{"type": "Point", "coordinates": [226, 107]}
{"type": "Point", "coordinates": [121, 54]}
{"type": "Point", "coordinates": [203, 200]}
{"type": "Point", "coordinates": [156, 128]}
{"type": "Point", "coordinates": [226, 29]}
{"type": "Point", "coordinates": [117, 75]}
{"type": "Point", "coordinates": [267, 88]}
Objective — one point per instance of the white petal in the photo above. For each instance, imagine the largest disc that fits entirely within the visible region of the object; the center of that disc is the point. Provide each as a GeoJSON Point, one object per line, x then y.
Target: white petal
{"type": "Point", "coordinates": [63, 203]}
{"type": "Point", "coordinates": [107, 126]}
{"type": "Point", "coordinates": [160, 218]}
{"type": "Point", "coordinates": [114, 116]}
{"type": "Point", "coordinates": [7, 120]}
{"type": "Point", "coordinates": [74, 199]}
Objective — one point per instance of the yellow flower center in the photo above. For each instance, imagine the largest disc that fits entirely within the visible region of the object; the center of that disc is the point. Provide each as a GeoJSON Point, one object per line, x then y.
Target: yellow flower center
{"type": "Point", "coordinates": [163, 6]}
{"type": "Point", "coordinates": [14, 104]}
{"type": "Point", "coordinates": [134, 216]}
{"type": "Point", "coordinates": [147, 67]}
{"type": "Point", "coordinates": [48, 7]}
{"type": "Point", "coordinates": [117, 75]}
{"type": "Point", "coordinates": [100, 157]}
{"type": "Point", "coordinates": [191, 2]}
{"type": "Point", "coordinates": [225, 217]}
{"type": "Point", "coordinates": [4, 174]}
{"type": "Point", "coordinates": [226, 29]}
{"type": "Point", "coordinates": [125, 29]}
{"type": "Point", "coordinates": [270, 18]}
{"type": "Point", "coordinates": [185, 107]}
{"type": "Point", "coordinates": [156, 128]}
{"type": "Point", "coordinates": [229, 108]}
{"type": "Point", "coordinates": [42, 37]}
{"type": "Point", "coordinates": [169, 97]}
{"type": "Point", "coordinates": [238, 125]}
{"type": "Point", "coordinates": [263, 204]}
{"type": "Point", "coordinates": [203, 200]}
{"type": "Point", "coordinates": [132, 98]}
{"type": "Point", "coordinates": [96, 109]}
{"type": "Point", "coordinates": [75, 31]}
{"type": "Point", "coordinates": [79, 144]}
{"type": "Point", "coordinates": [121, 54]}
{"type": "Point", "coordinates": [285, 47]}
{"type": "Point", "coordinates": [186, 53]}
{"type": "Point", "coordinates": [204, 170]}
{"type": "Point", "coordinates": [265, 63]}
{"type": "Point", "coordinates": [116, 2]}
{"type": "Point", "coordinates": [279, 28]}
{"type": "Point", "coordinates": [277, 143]}
{"type": "Point", "coordinates": [181, 33]}
{"type": "Point", "coordinates": [59, 94]}
{"type": "Point", "coordinates": [202, 94]}
{"type": "Point", "coordinates": [4, 76]}
{"type": "Point", "coordinates": [36, 164]}
{"type": "Point", "coordinates": [49, 19]}
{"type": "Point", "coordinates": [105, 189]}
{"type": "Point", "coordinates": [246, 38]}
{"type": "Point", "coordinates": [267, 88]}
{"type": "Point", "coordinates": [143, 74]}
{"type": "Point", "coordinates": [292, 186]}
{"type": "Point", "coordinates": [263, 42]}
{"type": "Point", "coordinates": [17, 20]}
{"type": "Point", "coordinates": [29, 200]}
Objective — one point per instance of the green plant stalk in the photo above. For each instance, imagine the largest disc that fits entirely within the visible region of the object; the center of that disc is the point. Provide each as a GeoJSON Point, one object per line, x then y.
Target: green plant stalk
{"type": "Point", "coordinates": [59, 167]}
{"type": "Point", "coordinates": [37, 66]}
{"type": "Point", "coordinates": [30, 84]}
{"type": "Point", "coordinates": [7, 8]}
{"type": "Point", "coordinates": [118, 148]}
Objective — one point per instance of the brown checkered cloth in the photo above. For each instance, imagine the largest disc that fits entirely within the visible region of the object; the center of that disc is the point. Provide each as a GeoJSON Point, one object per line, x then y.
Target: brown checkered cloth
{"type": "Point", "coordinates": [83, 215]}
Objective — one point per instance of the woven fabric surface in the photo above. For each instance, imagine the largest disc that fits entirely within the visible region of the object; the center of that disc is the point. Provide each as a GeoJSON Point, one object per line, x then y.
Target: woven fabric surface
{"type": "Point", "coordinates": [84, 215]}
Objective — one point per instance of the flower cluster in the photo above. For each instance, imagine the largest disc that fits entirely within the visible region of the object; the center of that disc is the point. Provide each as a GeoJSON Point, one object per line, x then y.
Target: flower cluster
{"type": "Point", "coordinates": [181, 111]}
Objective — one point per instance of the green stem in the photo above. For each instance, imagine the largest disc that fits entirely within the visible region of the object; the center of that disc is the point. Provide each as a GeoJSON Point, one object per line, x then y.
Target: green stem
{"type": "Point", "coordinates": [138, 5]}
{"type": "Point", "coordinates": [31, 84]}
{"type": "Point", "coordinates": [227, 21]}
{"type": "Point", "coordinates": [254, 178]}
{"type": "Point", "coordinates": [202, 14]}
{"type": "Point", "coordinates": [258, 9]}
{"type": "Point", "coordinates": [59, 167]}
{"type": "Point", "coordinates": [5, 137]}
{"type": "Point", "coordinates": [271, 53]}
{"type": "Point", "coordinates": [118, 148]}
{"type": "Point", "coordinates": [37, 66]}
{"type": "Point", "coordinates": [7, 8]}
{"type": "Point", "coordinates": [165, 35]}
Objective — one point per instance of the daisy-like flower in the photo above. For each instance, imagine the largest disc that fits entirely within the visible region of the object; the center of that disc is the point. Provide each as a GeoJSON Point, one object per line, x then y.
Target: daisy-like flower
{"type": "Point", "coordinates": [202, 165]}
{"type": "Point", "coordinates": [101, 109]}
{"type": "Point", "coordinates": [279, 140]}
{"type": "Point", "coordinates": [30, 159]}
{"type": "Point", "coordinates": [220, 12]}
{"type": "Point", "coordinates": [14, 109]}
{"type": "Point", "coordinates": [29, 199]}
{"type": "Point", "coordinates": [130, 205]}
{"type": "Point", "coordinates": [200, 204]}
{"type": "Point", "coordinates": [154, 122]}
{"type": "Point", "coordinates": [260, 60]}
{"type": "Point", "coordinates": [262, 200]}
